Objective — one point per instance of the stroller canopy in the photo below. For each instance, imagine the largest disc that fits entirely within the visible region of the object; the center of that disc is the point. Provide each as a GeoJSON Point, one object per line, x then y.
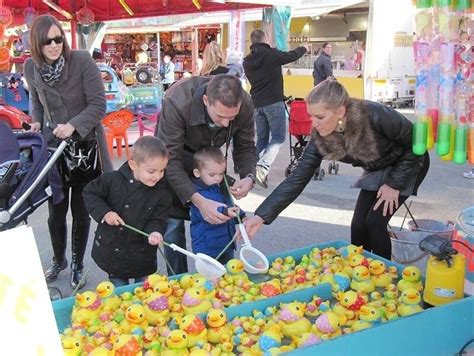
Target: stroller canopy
{"type": "Point", "coordinates": [10, 152]}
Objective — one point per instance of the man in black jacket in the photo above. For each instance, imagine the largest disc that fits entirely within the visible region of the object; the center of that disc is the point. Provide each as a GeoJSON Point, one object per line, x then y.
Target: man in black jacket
{"type": "Point", "coordinates": [322, 65]}
{"type": "Point", "coordinates": [263, 70]}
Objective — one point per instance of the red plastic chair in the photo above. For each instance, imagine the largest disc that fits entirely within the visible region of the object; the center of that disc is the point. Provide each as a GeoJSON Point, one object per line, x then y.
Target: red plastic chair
{"type": "Point", "coordinates": [151, 120]}
{"type": "Point", "coordinates": [117, 123]}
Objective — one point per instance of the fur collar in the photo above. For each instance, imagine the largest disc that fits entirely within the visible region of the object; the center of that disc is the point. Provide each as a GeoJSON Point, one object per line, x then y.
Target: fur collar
{"type": "Point", "coordinates": [357, 142]}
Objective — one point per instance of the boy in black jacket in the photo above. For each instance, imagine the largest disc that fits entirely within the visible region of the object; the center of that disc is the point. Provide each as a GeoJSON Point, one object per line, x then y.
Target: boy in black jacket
{"type": "Point", "coordinates": [137, 195]}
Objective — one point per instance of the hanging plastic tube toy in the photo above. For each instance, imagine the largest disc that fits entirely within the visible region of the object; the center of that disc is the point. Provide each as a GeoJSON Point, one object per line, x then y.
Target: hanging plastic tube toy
{"type": "Point", "coordinates": [463, 63]}
{"type": "Point", "coordinates": [421, 49]}
{"type": "Point", "coordinates": [446, 24]}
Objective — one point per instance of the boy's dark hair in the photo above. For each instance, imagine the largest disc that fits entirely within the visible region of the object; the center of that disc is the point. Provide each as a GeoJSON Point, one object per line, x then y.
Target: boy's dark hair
{"type": "Point", "coordinates": [207, 154]}
{"type": "Point", "coordinates": [148, 147]}
{"type": "Point", "coordinates": [257, 36]}
{"type": "Point", "coordinates": [225, 88]}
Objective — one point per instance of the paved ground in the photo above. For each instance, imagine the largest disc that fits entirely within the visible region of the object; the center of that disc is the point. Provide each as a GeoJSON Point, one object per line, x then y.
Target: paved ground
{"type": "Point", "coordinates": [322, 213]}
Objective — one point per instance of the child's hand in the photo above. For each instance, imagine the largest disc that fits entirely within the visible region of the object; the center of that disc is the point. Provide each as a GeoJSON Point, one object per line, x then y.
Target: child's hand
{"type": "Point", "coordinates": [155, 238]}
{"type": "Point", "coordinates": [112, 218]}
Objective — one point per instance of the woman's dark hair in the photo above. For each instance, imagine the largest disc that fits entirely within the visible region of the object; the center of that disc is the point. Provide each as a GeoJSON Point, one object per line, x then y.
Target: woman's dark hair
{"type": "Point", "coordinates": [225, 88]}
{"type": "Point", "coordinates": [39, 34]}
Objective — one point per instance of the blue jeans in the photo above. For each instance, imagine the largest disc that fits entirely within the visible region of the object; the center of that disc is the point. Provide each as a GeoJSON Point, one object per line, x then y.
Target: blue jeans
{"type": "Point", "coordinates": [118, 282]}
{"type": "Point", "coordinates": [175, 234]}
{"type": "Point", "coordinates": [271, 132]}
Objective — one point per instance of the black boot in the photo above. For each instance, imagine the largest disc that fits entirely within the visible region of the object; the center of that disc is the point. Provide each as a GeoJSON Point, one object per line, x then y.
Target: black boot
{"type": "Point", "coordinates": [80, 234]}
{"type": "Point", "coordinates": [52, 272]}
{"type": "Point", "coordinates": [58, 234]}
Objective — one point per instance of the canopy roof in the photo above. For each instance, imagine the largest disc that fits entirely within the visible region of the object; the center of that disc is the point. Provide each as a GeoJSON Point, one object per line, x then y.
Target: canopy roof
{"type": "Point", "coordinates": [105, 10]}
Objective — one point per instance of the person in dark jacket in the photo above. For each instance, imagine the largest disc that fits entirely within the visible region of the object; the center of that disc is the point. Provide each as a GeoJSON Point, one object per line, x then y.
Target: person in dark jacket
{"type": "Point", "coordinates": [365, 134]}
{"type": "Point", "coordinates": [199, 112]}
{"type": "Point", "coordinates": [322, 65]}
{"type": "Point", "coordinates": [210, 239]}
{"type": "Point", "coordinates": [137, 195]}
{"type": "Point", "coordinates": [67, 98]}
{"type": "Point", "coordinates": [263, 70]}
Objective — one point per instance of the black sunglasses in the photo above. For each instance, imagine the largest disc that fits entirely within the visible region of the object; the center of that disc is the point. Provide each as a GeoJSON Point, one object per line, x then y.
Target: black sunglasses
{"type": "Point", "coordinates": [57, 40]}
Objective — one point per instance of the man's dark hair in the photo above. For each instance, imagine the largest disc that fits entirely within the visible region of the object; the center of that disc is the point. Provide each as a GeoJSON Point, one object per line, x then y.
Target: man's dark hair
{"type": "Point", "coordinates": [206, 154]}
{"type": "Point", "coordinates": [225, 88]}
{"type": "Point", "coordinates": [325, 44]}
{"type": "Point", "coordinates": [257, 36]}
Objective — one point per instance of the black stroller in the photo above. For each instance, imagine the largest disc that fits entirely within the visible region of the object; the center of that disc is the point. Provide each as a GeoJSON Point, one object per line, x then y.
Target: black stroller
{"type": "Point", "coordinates": [300, 132]}
{"type": "Point", "coordinates": [28, 176]}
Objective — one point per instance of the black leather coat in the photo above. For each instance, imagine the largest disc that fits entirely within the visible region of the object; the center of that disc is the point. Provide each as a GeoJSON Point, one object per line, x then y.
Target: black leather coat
{"type": "Point", "coordinates": [381, 139]}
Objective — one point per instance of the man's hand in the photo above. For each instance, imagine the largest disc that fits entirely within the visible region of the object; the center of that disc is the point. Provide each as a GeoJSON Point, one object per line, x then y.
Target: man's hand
{"type": "Point", "coordinates": [63, 131]}
{"type": "Point", "coordinates": [208, 209]}
{"type": "Point", "coordinates": [252, 224]}
{"type": "Point", "coordinates": [112, 218]}
{"type": "Point", "coordinates": [35, 127]}
{"type": "Point", "coordinates": [241, 188]}
{"type": "Point", "coordinates": [155, 238]}
{"type": "Point", "coordinates": [233, 211]}
{"type": "Point", "coordinates": [389, 197]}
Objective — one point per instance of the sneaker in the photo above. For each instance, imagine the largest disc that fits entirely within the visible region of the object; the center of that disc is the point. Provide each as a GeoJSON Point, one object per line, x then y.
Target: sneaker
{"type": "Point", "coordinates": [261, 177]}
{"type": "Point", "coordinates": [78, 279]}
{"type": "Point", "coordinates": [53, 271]}
{"type": "Point", "coordinates": [469, 174]}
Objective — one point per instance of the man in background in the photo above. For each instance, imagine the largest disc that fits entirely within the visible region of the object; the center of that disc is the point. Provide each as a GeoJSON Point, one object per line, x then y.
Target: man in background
{"type": "Point", "coordinates": [263, 70]}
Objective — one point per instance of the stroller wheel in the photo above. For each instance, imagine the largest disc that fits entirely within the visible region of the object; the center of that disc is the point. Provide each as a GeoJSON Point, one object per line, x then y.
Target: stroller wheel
{"type": "Point", "coordinates": [331, 167]}
{"type": "Point", "coordinates": [319, 174]}
{"type": "Point", "coordinates": [336, 168]}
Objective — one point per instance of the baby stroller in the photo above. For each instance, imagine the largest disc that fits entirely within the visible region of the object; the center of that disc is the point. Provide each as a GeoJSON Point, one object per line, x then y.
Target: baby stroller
{"type": "Point", "coordinates": [26, 177]}
{"type": "Point", "coordinates": [300, 133]}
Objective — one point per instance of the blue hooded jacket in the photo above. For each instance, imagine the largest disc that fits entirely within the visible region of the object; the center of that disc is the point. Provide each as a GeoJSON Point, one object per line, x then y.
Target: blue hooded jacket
{"type": "Point", "coordinates": [208, 238]}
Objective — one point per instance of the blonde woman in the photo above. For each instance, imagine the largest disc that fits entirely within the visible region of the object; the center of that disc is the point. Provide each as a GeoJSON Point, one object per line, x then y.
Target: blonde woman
{"type": "Point", "coordinates": [213, 60]}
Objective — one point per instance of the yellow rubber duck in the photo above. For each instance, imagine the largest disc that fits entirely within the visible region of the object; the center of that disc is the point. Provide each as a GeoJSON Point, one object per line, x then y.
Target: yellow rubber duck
{"type": "Point", "coordinates": [152, 279]}
{"type": "Point", "coordinates": [100, 351]}
{"type": "Point", "coordinates": [306, 339]}
{"type": "Point", "coordinates": [235, 272]}
{"type": "Point", "coordinates": [411, 278]}
{"type": "Point", "coordinates": [163, 288]}
{"type": "Point", "coordinates": [187, 281]}
{"type": "Point", "coordinates": [390, 311]}
{"type": "Point", "coordinates": [346, 252]}
{"type": "Point", "coordinates": [292, 320]}
{"type": "Point", "coordinates": [106, 292]}
{"type": "Point", "coordinates": [368, 317]}
{"type": "Point", "coordinates": [135, 318]}
{"type": "Point", "coordinates": [194, 301]}
{"type": "Point", "coordinates": [218, 329]}
{"type": "Point", "coordinates": [126, 345]}
{"type": "Point", "coordinates": [87, 308]}
{"type": "Point", "coordinates": [379, 273]}
{"type": "Point", "coordinates": [409, 302]}
{"type": "Point", "coordinates": [195, 330]}
{"type": "Point", "coordinates": [72, 345]}
{"type": "Point", "coordinates": [328, 325]}
{"type": "Point", "coordinates": [156, 308]}
{"type": "Point", "coordinates": [209, 287]}
{"type": "Point", "coordinates": [361, 281]}
{"type": "Point", "coordinates": [176, 343]}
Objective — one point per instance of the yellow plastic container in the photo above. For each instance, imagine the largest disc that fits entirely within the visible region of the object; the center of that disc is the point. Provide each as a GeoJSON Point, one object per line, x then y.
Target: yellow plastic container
{"type": "Point", "coordinates": [444, 284]}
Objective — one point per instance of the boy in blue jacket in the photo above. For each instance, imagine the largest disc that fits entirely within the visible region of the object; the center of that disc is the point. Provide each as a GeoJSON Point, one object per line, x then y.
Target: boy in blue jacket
{"type": "Point", "coordinates": [209, 170]}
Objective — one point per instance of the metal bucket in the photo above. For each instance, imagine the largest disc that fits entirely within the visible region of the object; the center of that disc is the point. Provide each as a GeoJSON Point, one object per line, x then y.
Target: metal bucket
{"type": "Point", "coordinates": [405, 248]}
{"type": "Point", "coordinates": [442, 228]}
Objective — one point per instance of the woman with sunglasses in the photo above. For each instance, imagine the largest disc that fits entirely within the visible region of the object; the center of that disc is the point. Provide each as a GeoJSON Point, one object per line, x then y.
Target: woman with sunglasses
{"type": "Point", "coordinates": [67, 84]}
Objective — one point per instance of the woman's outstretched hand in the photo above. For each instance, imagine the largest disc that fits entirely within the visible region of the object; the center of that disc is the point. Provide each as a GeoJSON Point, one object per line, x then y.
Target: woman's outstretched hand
{"type": "Point", "coordinates": [389, 197]}
{"type": "Point", "coordinates": [252, 224]}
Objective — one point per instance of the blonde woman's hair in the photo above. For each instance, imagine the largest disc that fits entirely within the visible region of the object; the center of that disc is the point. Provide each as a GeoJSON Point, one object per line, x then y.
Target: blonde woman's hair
{"type": "Point", "coordinates": [329, 92]}
{"type": "Point", "coordinates": [212, 58]}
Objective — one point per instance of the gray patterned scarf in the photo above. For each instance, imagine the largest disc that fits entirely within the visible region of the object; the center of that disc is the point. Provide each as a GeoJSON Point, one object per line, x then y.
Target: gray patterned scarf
{"type": "Point", "coordinates": [52, 73]}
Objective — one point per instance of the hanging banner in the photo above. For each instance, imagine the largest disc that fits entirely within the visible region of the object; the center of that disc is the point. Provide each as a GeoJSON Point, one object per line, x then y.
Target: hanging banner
{"type": "Point", "coordinates": [276, 24]}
